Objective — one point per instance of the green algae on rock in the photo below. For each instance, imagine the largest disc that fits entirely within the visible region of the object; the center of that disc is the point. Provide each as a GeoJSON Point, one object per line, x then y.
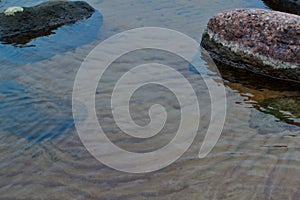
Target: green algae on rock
{"type": "Point", "coordinates": [19, 25]}
{"type": "Point", "coordinates": [261, 41]}
{"type": "Point", "coordinates": [286, 109]}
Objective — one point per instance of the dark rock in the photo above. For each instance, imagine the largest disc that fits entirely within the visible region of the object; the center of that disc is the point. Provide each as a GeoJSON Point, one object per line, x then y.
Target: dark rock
{"type": "Point", "coordinates": [291, 6]}
{"type": "Point", "coordinates": [41, 20]}
{"type": "Point", "coordinates": [262, 41]}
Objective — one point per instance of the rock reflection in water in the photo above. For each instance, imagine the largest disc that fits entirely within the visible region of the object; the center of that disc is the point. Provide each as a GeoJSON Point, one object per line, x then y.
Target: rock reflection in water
{"type": "Point", "coordinates": [268, 95]}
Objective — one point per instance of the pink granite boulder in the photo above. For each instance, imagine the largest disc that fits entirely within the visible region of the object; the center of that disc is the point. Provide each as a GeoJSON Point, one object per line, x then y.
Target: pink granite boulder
{"type": "Point", "coordinates": [261, 41]}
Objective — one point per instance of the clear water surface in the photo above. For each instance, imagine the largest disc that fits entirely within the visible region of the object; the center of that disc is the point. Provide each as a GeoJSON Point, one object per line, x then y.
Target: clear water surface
{"type": "Point", "coordinates": [41, 156]}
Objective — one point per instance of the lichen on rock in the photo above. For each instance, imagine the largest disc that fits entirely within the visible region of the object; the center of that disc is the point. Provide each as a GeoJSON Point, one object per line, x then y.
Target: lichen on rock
{"type": "Point", "coordinates": [12, 10]}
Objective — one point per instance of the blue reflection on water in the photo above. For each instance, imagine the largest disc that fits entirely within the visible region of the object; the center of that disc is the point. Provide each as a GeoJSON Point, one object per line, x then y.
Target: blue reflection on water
{"type": "Point", "coordinates": [36, 116]}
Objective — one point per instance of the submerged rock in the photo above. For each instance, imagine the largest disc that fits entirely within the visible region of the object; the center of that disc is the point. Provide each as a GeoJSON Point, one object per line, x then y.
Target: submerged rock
{"type": "Point", "coordinates": [19, 25]}
{"type": "Point", "coordinates": [291, 6]}
{"type": "Point", "coordinates": [262, 41]}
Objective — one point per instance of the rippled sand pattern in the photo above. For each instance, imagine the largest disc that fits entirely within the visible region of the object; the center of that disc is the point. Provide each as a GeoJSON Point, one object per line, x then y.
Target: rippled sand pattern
{"type": "Point", "coordinates": [257, 156]}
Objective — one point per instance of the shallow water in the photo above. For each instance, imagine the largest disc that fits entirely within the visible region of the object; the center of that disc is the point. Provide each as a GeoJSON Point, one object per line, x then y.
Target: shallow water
{"type": "Point", "coordinates": [257, 156]}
